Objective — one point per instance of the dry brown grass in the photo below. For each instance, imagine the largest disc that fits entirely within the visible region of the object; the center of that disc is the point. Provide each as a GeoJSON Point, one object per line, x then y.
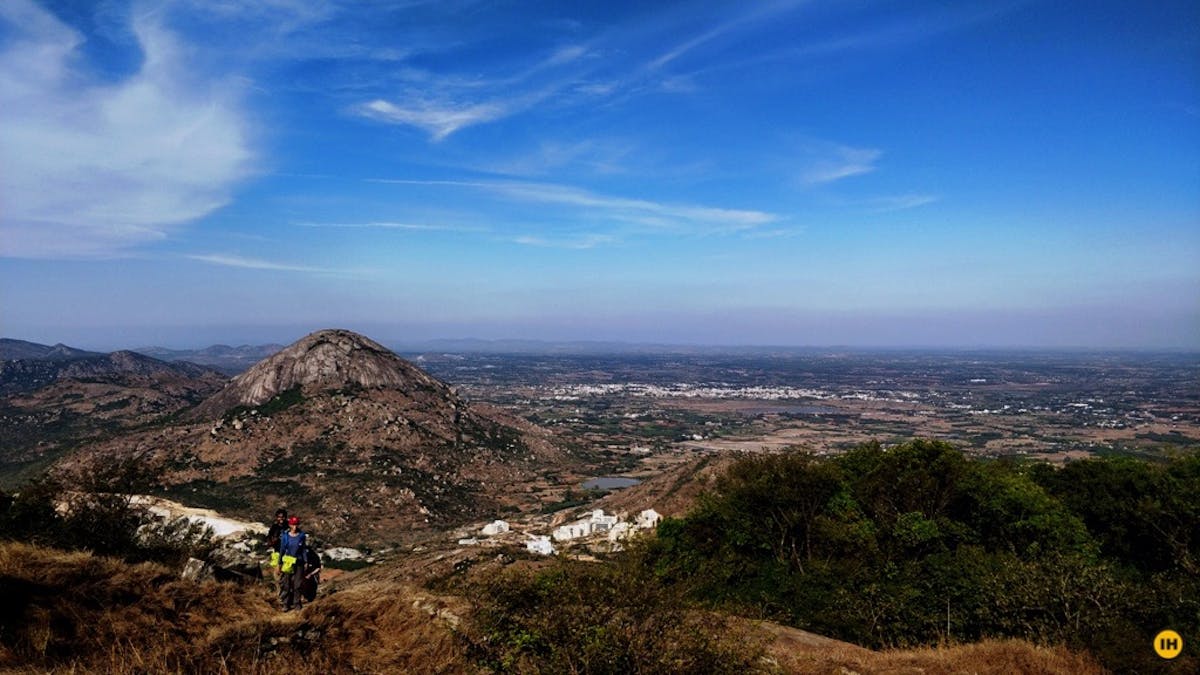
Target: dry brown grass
{"type": "Point", "coordinates": [73, 612]}
{"type": "Point", "coordinates": [808, 654]}
{"type": "Point", "coordinates": [76, 613]}
{"type": "Point", "coordinates": [388, 628]}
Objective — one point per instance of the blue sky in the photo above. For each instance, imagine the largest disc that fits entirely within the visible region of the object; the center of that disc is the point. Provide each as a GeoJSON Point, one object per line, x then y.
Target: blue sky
{"type": "Point", "coordinates": [858, 172]}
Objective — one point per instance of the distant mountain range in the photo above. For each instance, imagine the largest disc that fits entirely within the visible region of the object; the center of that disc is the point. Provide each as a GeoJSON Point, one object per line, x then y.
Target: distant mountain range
{"type": "Point", "coordinates": [227, 359]}
{"type": "Point", "coordinates": [27, 366]}
{"type": "Point", "coordinates": [20, 349]}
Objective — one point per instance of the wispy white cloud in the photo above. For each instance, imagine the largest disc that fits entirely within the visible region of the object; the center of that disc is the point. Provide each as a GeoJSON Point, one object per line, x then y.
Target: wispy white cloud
{"type": "Point", "coordinates": [389, 225]}
{"type": "Point", "coordinates": [548, 193]}
{"type": "Point", "coordinates": [566, 54]}
{"type": "Point", "coordinates": [95, 168]}
{"type": "Point", "coordinates": [665, 215]}
{"type": "Point", "coordinates": [438, 119]}
{"type": "Point", "coordinates": [576, 242]}
{"type": "Point", "coordinates": [230, 260]}
{"type": "Point", "coordinates": [756, 12]}
{"type": "Point", "coordinates": [777, 233]}
{"type": "Point", "coordinates": [900, 202]}
{"type": "Point", "coordinates": [895, 31]}
{"type": "Point", "coordinates": [593, 155]}
{"type": "Point", "coordinates": [443, 104]}
{"type": "Point", "coordinates": [832, 162]}
{"type": "Point", "coordinates": [609, 66]}
{"type": "Point", "coordinates": [679, 85]}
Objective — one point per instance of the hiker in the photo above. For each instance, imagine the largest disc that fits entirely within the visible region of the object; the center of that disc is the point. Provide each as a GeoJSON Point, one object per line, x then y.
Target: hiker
{"type": "Point", "coordinates": [293, 546]}
{"type": "Point", "coordinates": [277, 528]}
{"type": "Point", "coordinates": [312, 574]}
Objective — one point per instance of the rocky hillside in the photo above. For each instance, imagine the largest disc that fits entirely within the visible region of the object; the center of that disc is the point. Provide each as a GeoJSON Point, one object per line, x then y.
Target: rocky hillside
{"type": "Point", "coordinates": [363, 444]}
{"type": "Point", "coordinates": [29, 374]}
{"type": "Point", "coordinates": [11, 349]}
{"type": "Point", "coordinates": [325, 360]}
{"type": "Point", "coordinates": [50, 406]}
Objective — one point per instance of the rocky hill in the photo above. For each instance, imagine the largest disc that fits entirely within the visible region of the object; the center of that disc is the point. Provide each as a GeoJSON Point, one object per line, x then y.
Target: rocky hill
{"type": "Point", "coordinates": [360, 442]}
{"type": "Point", "coordinates": [325, 360]}
{"type": "Point", "coordinates": [71, 398]}
{"type": "Point", "coordinates": [29, 374]}
{"type": "Point", "coordinates": [11, 349]}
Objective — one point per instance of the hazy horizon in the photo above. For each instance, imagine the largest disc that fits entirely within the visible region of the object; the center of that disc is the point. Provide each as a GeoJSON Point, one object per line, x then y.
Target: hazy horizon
{"type": "Point", "coordinates": [998, 173]}
{"type": "Point", "coordinates": [177, 338]}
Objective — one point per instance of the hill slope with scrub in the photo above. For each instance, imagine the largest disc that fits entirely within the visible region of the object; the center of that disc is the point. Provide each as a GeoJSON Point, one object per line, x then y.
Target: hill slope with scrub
{"type": "Point", "coordinates": [917, 544]}
{"type": "Point", "coordinates": [75, 612]}
{"type": "Point", "coordinates": [366, 445]}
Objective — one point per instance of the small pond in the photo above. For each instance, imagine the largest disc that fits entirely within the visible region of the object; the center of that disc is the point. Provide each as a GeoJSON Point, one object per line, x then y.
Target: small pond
{"type": "Point", "coordinates": [609, 483]}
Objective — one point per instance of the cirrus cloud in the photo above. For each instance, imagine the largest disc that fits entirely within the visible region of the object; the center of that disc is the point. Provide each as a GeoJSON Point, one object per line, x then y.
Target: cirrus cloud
{"type": "Point", "coordinates": [94, 168]}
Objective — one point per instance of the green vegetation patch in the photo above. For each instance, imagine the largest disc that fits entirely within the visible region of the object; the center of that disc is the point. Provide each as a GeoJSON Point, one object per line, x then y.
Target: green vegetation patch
{"type": "Point", "coordinates": [100, 515]}
{"type": "Point", "coordinates": [917, 545]}
{"type": "Point", "coordinates": [278, 403]}
{"type": "Point", "coordinates": [207, 494]}
{"type": "Point", "coordinates": [588, 618]}
{"type": "Point", "coordinates": [1172, 437]}
{"type": "Point", "coordinates": [572, 499]}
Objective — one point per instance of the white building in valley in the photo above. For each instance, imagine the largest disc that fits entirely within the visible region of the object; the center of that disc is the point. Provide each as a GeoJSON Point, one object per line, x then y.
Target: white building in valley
{"type": "Point", "coordinates": [648, 519]}
{"type": "Point", "coordinates": [594, 524]}
{"type": "Point", "coordinates": [540, 545]}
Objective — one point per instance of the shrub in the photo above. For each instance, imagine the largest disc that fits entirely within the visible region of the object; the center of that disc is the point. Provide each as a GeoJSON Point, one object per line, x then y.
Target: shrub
{"type": "Point", "coordinates": [918, 544]}
{"type": "Point", "coordinates": [93, 508]}
{"type": "Point", "coordinates": [600, 618]}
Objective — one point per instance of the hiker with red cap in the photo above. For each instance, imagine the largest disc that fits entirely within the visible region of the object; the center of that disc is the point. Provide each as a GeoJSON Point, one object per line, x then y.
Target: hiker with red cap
{"type": "Point", "coordinates": [293, 546]}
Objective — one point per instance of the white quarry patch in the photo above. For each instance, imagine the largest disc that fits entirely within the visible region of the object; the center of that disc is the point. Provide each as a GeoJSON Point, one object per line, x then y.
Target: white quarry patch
{"type": "Point", "coordinates": [222, 526]}
{"type": "Point", "coordinates": [343, 553]}
{"type": "Point", "coordinates": [494, 528]}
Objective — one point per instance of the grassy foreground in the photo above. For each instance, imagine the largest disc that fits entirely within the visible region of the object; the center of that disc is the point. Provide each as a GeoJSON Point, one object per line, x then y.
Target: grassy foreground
{"type": "Point", "coordinates": [74, 612]}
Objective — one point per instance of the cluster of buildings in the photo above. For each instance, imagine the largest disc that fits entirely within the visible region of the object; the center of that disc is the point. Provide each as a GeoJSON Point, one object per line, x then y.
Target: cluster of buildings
{"type": "Point", "coordinates": [614, 528]}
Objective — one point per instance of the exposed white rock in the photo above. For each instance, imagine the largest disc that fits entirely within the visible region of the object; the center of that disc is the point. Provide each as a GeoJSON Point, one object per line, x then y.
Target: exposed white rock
{"type": "Point", "coordinates": [222, 526]}
{"type": "Point", "coordinates": [494, 528]}
{"type": "Point", "coordinates": [343, 553]}
{"type": "Point", "coordinates": [196, 570]}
